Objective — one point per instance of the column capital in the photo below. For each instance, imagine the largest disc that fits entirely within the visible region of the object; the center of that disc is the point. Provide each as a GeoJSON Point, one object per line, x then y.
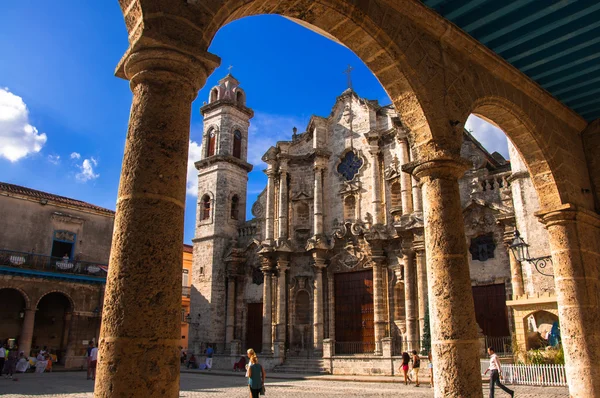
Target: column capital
{"type": "Point", "coordinates": [282, 265]}
{"type": "Point", "coordinates": [266, 265]}
{"type": "Point", "coordinates": [568, 213]}
{"type": "Point", "coordinates": [166, 65]}
{"type": "Point", "coordinates": [443, 167]}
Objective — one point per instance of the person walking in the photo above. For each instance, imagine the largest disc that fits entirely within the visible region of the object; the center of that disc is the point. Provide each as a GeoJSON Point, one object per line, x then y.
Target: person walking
{"type": "Point", "coordinates": [88, 355]}
{"type": "Point", "coordinates": [496, 374]}
{"type": "Point", "coordinates": [94, 361]}
{"type": "Point", "coordinates": [256, 376]}
{"type": "Point", "coordinates": [416, 366]}
{"type": "Point", "coordinates": [209, 357]}
{"type": "Point", "coordinates": [2, 357]}
{"type": "Point", "coordinates": [405, 362]}
{"type": "Point", "coordinates": [11, 362]}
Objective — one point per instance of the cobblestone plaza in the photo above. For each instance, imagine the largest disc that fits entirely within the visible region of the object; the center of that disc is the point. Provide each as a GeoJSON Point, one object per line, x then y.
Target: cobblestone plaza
{"type": "Point", "coordinates": [74, 385]}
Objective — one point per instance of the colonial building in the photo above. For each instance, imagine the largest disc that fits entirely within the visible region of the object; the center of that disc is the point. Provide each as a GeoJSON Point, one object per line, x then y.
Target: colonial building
{"type": "Point", "coordinates": [333, 260]}
{"type": "Point", "coordinates": [54, 254]}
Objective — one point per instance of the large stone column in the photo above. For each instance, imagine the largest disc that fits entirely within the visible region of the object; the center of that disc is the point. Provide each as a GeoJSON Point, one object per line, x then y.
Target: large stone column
{"type": "Point", "coordinates": [230, 317]}
{"type": "Point", "coordinates": [455, 345]}
{"type": "Point", "coordinates": [421, 287]}
{"type": "Point", "coordinates": [318, 304]}
{"type": "Point", "coordinates": [27, 331]}
{"type": "Point", "coordinates": [405, 178]}
{"type": "Point", "coordinates": [270, 211]}
{"type": "Point", "coordinates": [410, 298]}
{"type": "Point", "coordinates": [267, 337]}
{"type": "Point", "coordinates": [283, 202]}
{"type": "Point", "coordinates": [379, 318]}
{"type": "Point", "coordinates": [318, 197]}
{"type": "Point", "coordinates": [282, 266]}
{"type": "Point", "coordinates": [575, 244]}
{"type": "Point", "coordinates": [417, 196]}
{"type": "Point", "coordinates": [516, 275]}
{"type": "Point", "coordinates": [376, 191]}
{"type": "Point", "coordinates": [140, 333]}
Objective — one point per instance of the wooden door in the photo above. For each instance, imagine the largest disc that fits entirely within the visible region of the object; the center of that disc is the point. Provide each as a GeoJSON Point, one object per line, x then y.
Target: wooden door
{"type": "Point", "coordinates": [254, 327]}
{"type": "Point", "coordinates": [354, 312]}
{"type": "Point", "coordinates": [490, 309]}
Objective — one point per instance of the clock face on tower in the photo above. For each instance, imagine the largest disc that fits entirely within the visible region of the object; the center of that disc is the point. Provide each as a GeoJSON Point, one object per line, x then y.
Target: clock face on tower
{"type": "Point", "coordinates": [350, 165]}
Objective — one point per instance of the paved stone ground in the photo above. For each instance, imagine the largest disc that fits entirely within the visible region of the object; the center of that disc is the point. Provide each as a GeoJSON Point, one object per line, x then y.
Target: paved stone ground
{"type": "Point", "coordinates": [74, 385]}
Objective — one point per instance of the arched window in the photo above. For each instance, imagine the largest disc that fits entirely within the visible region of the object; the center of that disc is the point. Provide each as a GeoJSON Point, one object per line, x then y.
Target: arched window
{"type": "Point", "coordinates": [350, 208]}
{"type": "Point", "coordinates": [235, 207]}
{"type": "Point", "coordinates": [212, 143]}
{"type": "Point", "coordinates": [205, 208]}
{"type": "Point", "coordinates": [239, 98]}
{"type": "Point", "coordinates": [237, 144]}
{"type": "Point", "coordinates": [396, 195]}
{"type": "Point", "coordinates": [214, 95]}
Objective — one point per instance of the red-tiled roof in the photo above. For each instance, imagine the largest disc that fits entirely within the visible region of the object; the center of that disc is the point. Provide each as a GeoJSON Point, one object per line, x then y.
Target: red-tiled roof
{"type": "Point", "coordinates": [188, 248]}
{"type": "Point", "coordinates": [19, 190]}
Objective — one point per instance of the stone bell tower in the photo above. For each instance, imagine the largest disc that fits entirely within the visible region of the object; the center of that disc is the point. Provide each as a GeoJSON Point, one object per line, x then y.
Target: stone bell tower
{"type": "Point", "coordinates": [222, 183]}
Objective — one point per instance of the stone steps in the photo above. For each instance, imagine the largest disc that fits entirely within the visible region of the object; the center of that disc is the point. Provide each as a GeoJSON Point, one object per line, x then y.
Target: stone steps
{"type": "Point", "coordinates": [302, 365]}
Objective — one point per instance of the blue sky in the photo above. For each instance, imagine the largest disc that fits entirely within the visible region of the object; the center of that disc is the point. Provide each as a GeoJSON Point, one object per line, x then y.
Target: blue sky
{"type": "Point", "coordinates": [63, 114]}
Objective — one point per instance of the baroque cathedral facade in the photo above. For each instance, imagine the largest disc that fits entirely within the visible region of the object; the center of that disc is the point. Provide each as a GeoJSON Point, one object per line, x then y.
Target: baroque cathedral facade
{"type": "Point", "coordinates": [334, 250]}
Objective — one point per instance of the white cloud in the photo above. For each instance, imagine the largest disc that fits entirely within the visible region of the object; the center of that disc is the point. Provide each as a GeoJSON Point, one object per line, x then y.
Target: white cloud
{"type": "Point", "coordinates": [194, 153]}
{"type": "Point", "coordinates": [492, 138]}
{"type": "Point", "coordinates": [18, 138]}
{"type": "Point", "coordinates": [266, 129]}
{"type": "Point", "coordinates": [54, 159]}
{"type": "Point", "coordinates": [87, 170]}
{"type": "Point", "coordinates": [75, 155]}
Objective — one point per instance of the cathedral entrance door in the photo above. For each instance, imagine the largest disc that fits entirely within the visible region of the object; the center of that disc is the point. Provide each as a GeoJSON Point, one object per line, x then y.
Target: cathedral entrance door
{"type": "Point", "coordinates": [254, 326]}
{"type": "Point", "coordinates": [354, 327]}
{"type": "Point", "coordinates": [491, 313]}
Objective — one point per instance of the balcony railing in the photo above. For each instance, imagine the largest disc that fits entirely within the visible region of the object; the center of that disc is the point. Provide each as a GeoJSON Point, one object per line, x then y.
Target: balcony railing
{"type": "Point", "coordinates": [185, 291]}
{"type": "Point", "coordinates": [39, 262]}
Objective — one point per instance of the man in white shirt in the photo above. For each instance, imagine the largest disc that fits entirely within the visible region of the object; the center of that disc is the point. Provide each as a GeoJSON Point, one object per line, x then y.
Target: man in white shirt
{"type": "Point", "coordinates": [93, 361]}
{"type": "Point", "coordinates": [496, 373]}
{"type": "Point", "coordinates": [2, 358]}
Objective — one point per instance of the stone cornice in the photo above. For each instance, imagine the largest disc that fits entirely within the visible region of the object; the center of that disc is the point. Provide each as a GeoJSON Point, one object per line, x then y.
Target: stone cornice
{"type": "Point", "coordinates": [451, 35]}
{"type": "Point", "coordinates": [226, 102]}
{"type": "Point", "coordinates": [223, 158]}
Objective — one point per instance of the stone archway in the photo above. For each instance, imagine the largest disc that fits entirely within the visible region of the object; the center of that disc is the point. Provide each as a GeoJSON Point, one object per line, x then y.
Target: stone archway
{"type": "Point", "coordinates": [52, 322]}
{"type": "Point", "coordinates": [12, 314]}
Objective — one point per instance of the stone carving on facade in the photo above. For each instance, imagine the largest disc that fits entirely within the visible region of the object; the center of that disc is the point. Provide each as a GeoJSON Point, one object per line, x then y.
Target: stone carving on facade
{"type": "Point", "coordinates": [67, 218]}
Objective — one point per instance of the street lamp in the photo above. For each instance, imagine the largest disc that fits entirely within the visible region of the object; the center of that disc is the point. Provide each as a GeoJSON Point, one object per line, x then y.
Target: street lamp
{"type": "Point", "coordinates": [520, 250]}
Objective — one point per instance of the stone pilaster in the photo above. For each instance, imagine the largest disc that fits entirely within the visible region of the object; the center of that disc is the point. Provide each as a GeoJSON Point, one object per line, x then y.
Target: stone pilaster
{"type": "Point", "coordinates": [267, 338]}
{"type": "Point", "coordinates": [516, 271]}
{"type": "Point", "coordinates": [318, 196]}
{"type": "Point", "coordinates": [575, 244]}
{"type": "Point", "coordinates": [417, 195]}
{"type": "Point", "coordinates": [27, 331]}
{"type": "Point", "coordinates": [422, 295]}
{"type": "Point", "coordinates": [379, 320]}
{"type": "Point", "coordinates": [140, 334]}
{"type": "Point", "coordinates": [454, 329]}
{"type": "Point", "coordinates": [282, 266]}
{"type": "Point", "coordinates": [410, 298]}
{"type": "Point", "coordinates": [318, 303]}
{"type": "Point", "coordinates": [283, 202]}
{"type": "Point", "coordinates": [405, 178]}
{"type": "Point", "coordinates": [399, 307]}
{"type": "Point", "coordinates": [230, 321]}
{"type": "Point", "coordinates": [376, 178]}
{"type": "Point", "coordinates": [270, 211]}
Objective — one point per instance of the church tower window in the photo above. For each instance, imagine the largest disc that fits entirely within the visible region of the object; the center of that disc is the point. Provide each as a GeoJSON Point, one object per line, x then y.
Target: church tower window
{"type": "Point", "coordinates": [214, 95]}
{"type": "Point", "coordinates": [396, 192]}
{"type": "Point", "coordinates": [482, 247]}
{"type": "Point", "coordinates": [350, 165]}
{"type": "Point", "coordinates": [205, 208]}
{"type": "Point", "coordinates": [237, 144]}
{"type": "Point", "coordinates": [212, 143]}
{"type": "Point", "coordinates": [235, 207]}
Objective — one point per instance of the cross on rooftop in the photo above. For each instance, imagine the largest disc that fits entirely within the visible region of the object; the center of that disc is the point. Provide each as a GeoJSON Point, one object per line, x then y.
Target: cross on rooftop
{"type": "Point", "coordinates": [348, 72]}
{"type": "Point", "coordinates": [230, 68]}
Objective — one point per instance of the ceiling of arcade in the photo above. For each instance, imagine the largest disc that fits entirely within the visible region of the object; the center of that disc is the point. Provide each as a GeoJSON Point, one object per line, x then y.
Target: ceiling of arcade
{"type": "Point", "coordinates": [435, 74]}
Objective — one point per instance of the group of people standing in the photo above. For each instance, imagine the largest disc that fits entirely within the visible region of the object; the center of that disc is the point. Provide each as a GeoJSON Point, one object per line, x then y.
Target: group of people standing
{"type": "Point", "coordinates": [416, 367]}
{"type": "Point", "coordinates": [193, 363]}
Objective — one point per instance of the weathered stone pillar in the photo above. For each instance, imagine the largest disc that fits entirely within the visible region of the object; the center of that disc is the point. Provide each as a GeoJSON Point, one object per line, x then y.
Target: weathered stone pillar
{"type": "Point", "coordinates": [270, 214]}
{"type": "Point", "coordinates": [378, 299]}
{"type": "Point", "coordinates": [410, 298]}
{"type": "Point", "coordinates": [454, 330]}
{"type": "Point", "coordinates": [421, 287]}
{"type": "Point", "coordinates": [230, 317]}
{"type": "Point", "coordinates": [516, 275]}
{"type": "Point", "coordinates": [282, 266]}
{"type": "Point", "coordinates": [376, 191]}
{"type": "Point", "coordinates": [417, 196]}
{"type": "Point", "coordinates": [318, 304]}
{"type": "Point", "coordinates": [318, 197]}
{"type": "Point", "coordinates": [140, 333]}
{"type": "Point", "coordinates": [331, 302]}
{"type": "Point", "coordinates": [575, 244]}
{"type": "Point", "coordinates": [405, 178]}
{"type": "Point", "coordinates": [267, 338]}
{"type": "Point", "coordinates": [27, 331]}
{"type": "Point", "coordinates": [283, 202]}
